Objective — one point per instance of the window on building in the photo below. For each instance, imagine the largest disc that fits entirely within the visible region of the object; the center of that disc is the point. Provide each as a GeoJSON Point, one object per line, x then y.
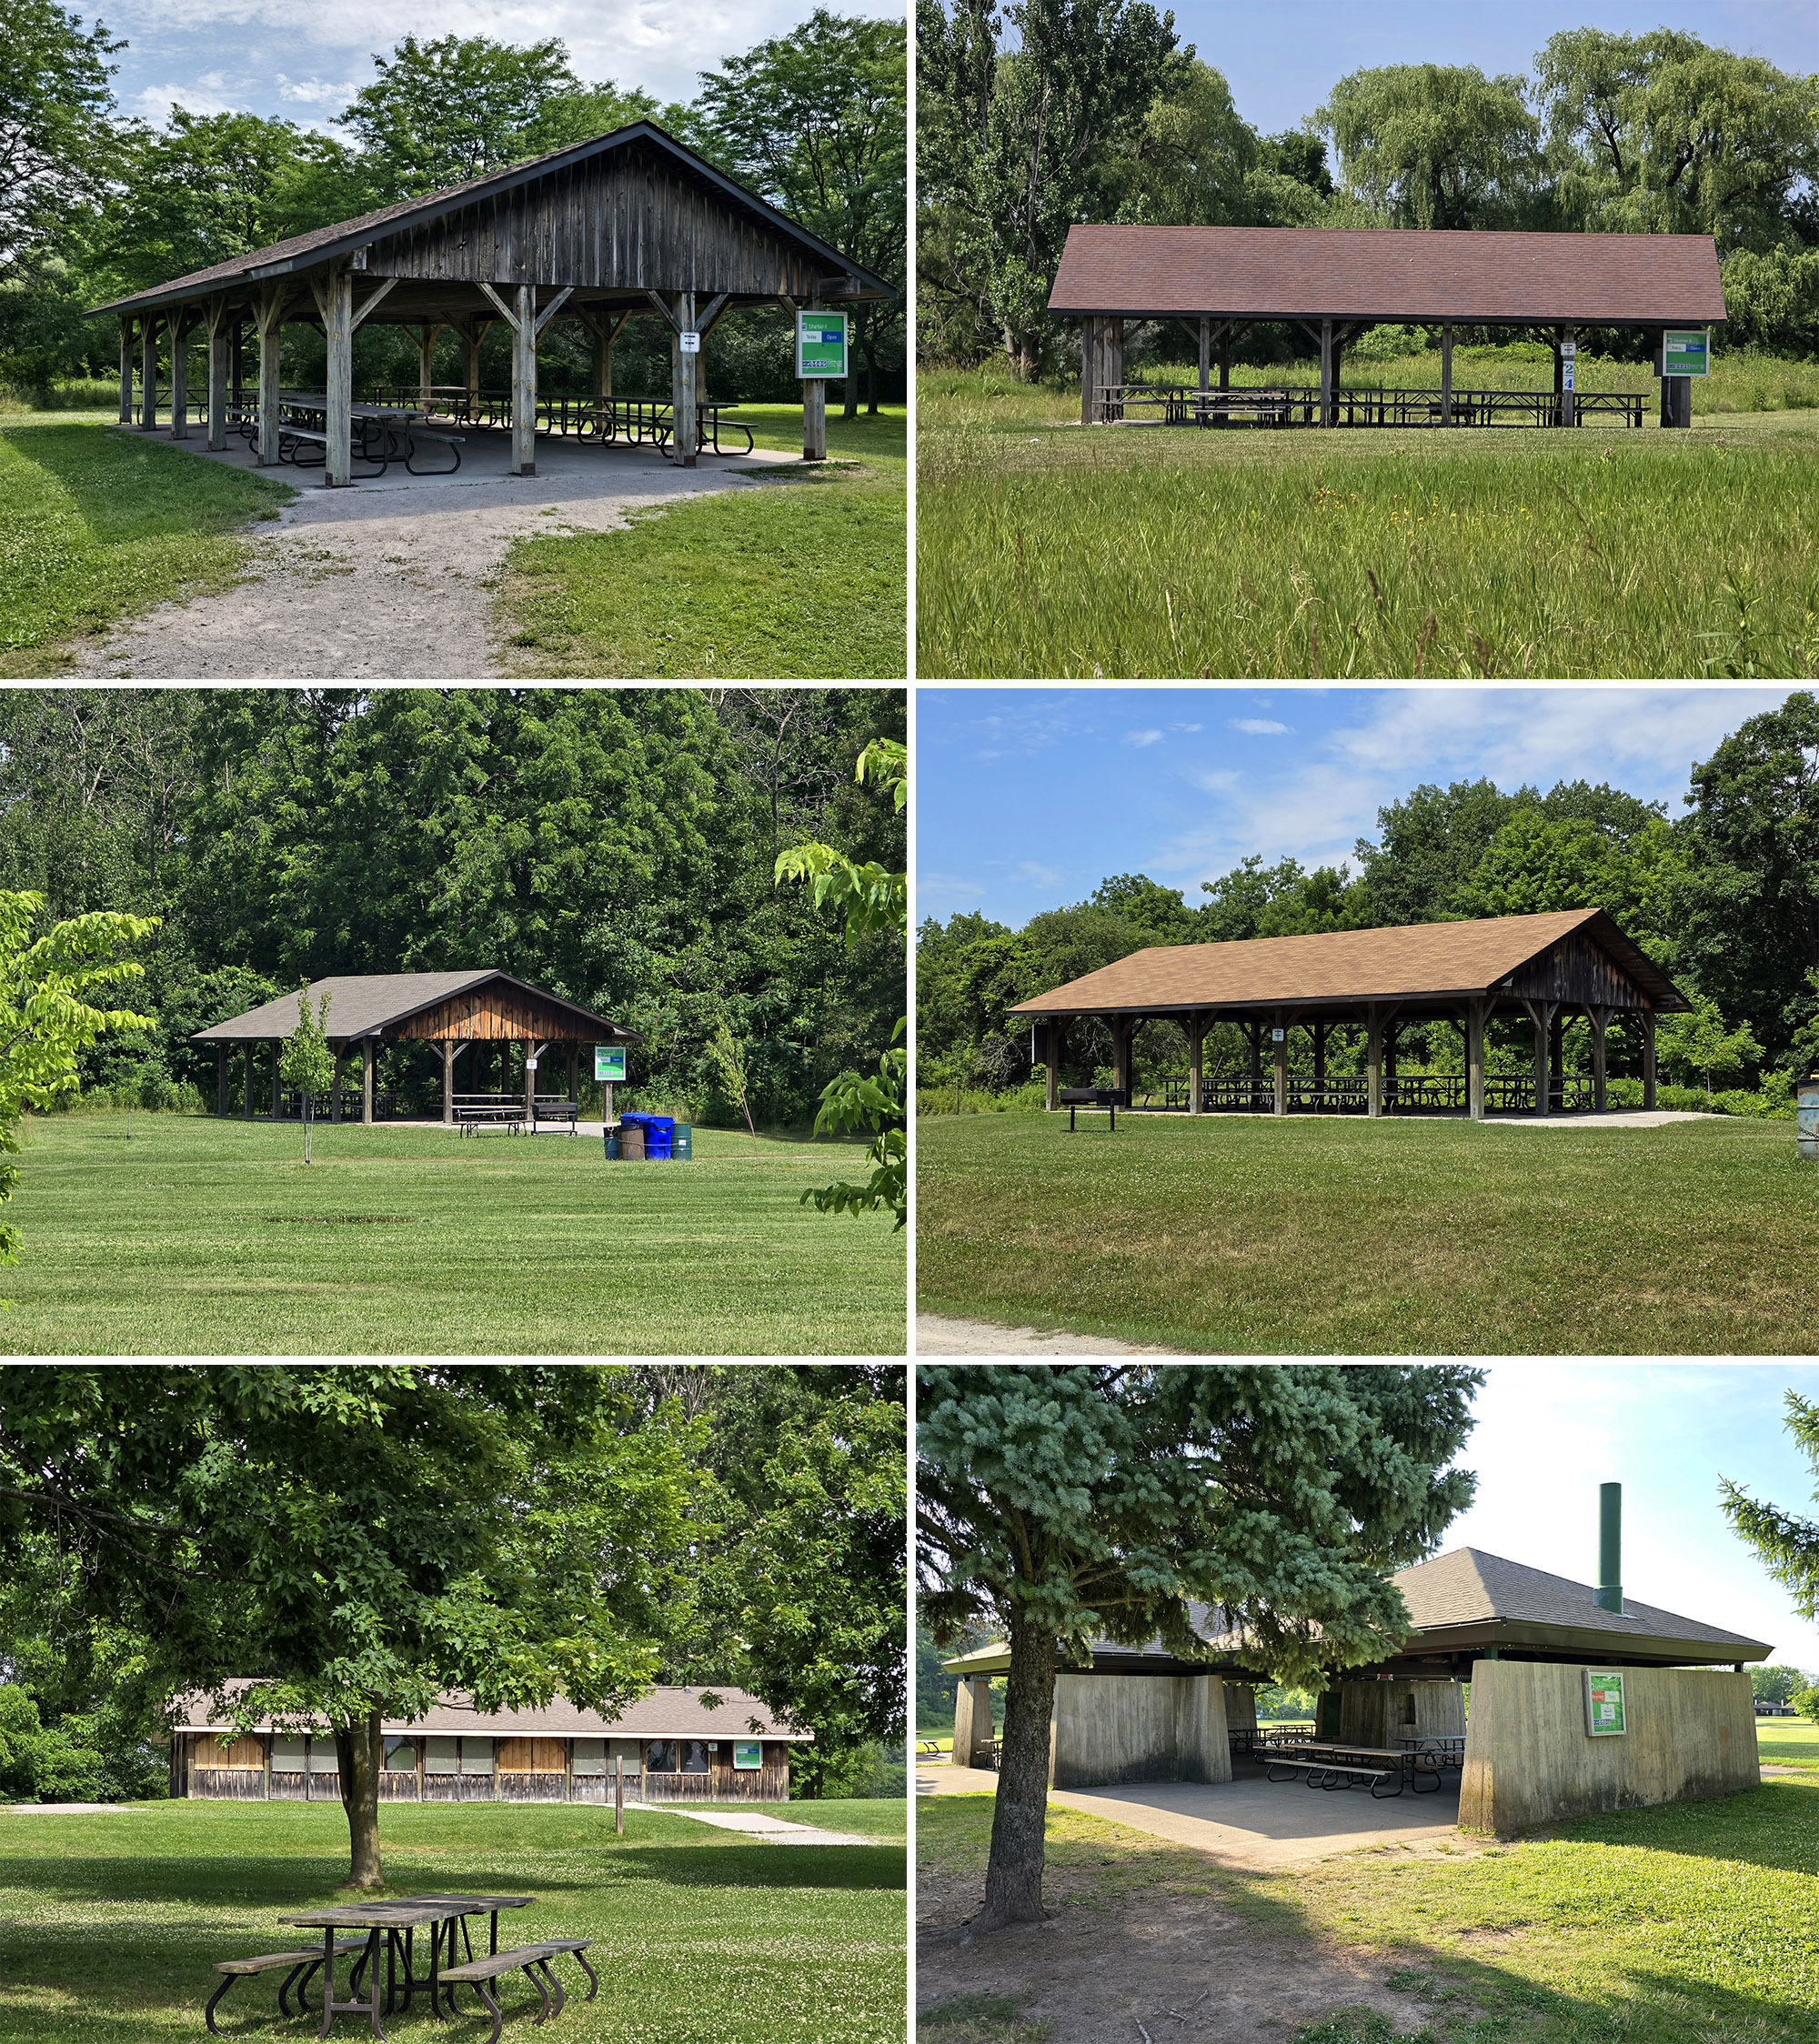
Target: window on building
{"type": "Point", "coordinates": [442, 1756]}
{"type": "Point", "coordinates": [659, 1756]}
{"type": "Point", "coordinates": [695, 1757]}
{"type": "Point", "coordinates": [322, 1755]}
{"type": "Point", "coordinates": [400, 1756]}
{"type": "Point", "coordinates": [477, 1755]}
{"type": "Point", "coordinates": [590, 1757]}
{"type": "Point", "coordinates": [286, 1755]}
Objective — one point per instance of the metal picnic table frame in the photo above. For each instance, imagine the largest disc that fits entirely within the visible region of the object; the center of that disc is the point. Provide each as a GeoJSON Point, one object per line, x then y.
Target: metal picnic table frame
{"type": "Point", "coordinates": [1343, 1757]}
{"type": "Point", "coordinates": [444, 1914]}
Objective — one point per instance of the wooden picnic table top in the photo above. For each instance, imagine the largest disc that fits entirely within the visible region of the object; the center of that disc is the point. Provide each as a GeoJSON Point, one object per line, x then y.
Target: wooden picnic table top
{"type": "Point", "coordinates": [318, 400]}
{"type": "Point", "coordinates": [1345, 1746]}
{"type": "Point", "coordinates": [405, 1910]}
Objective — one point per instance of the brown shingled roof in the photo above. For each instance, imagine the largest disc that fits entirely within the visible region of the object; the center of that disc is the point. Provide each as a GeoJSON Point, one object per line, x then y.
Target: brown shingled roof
{"type": "Point", "coordinates": [362, 1004]}
{"type": "Point", "coordinates": [1413, 961]}
{"type": "Point", "coordinates": [672, 1712]}
{"type": "Point", "coordinates": [1407, 274]}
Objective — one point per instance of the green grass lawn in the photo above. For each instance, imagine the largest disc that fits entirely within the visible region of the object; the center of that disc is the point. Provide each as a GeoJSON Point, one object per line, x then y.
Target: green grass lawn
{"type": "Point", "coordinates": [803, 576]}
{"type": "Point", "coordinates": [1245, 1234]}
{"type": "Point", "coordinates": [110, 1925]}
{"type": "Point", "coordinates": [1045, 549]}
{"type": "Point", "coordinates": [95, 524]}
{"type": "Point", "coordinates": [1788, 1743]}
{"type": "Point", "coordinates": [205, 1236]}
{"type": "Point", "coordinates": [1697, 1923]}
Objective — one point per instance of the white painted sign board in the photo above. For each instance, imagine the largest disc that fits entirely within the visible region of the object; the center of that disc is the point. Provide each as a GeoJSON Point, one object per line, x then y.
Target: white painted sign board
{"type": "Point", "coordinates": [691, 343]}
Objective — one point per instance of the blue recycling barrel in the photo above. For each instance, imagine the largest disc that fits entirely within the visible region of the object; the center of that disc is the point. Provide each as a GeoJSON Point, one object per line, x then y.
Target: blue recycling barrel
{"type": "Point", "coordinates": [658, 1133]}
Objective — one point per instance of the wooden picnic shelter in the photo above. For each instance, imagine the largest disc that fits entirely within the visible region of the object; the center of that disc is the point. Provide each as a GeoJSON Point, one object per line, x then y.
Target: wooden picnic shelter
{"type": "Point", "coordinates": [1336, 282]}
{"type": "Point", "coordinates": [1543, 970]}
{"type": "Point", "coordinates": [462, 1012]}
{"type": "Point", "coordinates": [628, 224]}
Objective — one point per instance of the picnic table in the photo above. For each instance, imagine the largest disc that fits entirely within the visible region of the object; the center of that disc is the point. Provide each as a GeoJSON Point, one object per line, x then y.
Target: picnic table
{"type": "Point", "coordinates": [1448, 1747]}
{"type": "Point", "coordinates": [398, 1922]}
{"type": "Point", "coordinates": [1341, 1764]}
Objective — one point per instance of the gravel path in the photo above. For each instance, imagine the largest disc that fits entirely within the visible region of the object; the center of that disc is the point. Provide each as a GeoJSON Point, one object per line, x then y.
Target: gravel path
{"type": "Point", "coordinates": [936, 1335]}
{"type": "Point", "coordinates": [386, 580]}
{"type": "Point", "coordinates": [773, 1830]}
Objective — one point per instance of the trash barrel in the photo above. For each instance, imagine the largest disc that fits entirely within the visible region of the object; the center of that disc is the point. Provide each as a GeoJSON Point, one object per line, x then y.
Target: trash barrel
{"type": "Point", "coordinates": [655, 1130]}
{"type": "Point", "coordinates": [631, 1140]}
{"type": "Point", "coordinates": [612, 1142]}
{"type": "Point", "coordinates": [682, 1142]}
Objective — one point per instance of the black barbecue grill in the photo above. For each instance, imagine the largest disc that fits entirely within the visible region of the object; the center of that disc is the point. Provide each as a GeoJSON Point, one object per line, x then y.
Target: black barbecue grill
{"type": "Point", "coordinates": [1109, 1097]}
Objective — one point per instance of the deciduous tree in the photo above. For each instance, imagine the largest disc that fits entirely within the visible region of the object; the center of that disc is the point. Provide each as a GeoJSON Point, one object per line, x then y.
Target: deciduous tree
{"type": "Point", "coordinates": [1066, 1505]}
{"type": "Point", "coordinates": [54, 100]}
{"type": "Point", "coordinates": [1435, 145]}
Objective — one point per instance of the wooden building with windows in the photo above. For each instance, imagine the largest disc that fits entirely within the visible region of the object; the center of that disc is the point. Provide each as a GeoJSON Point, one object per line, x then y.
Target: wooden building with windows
{"type": "Point", "coordinates": [670, 1746]}
{"type": "Point", "coordinates": [478, 1015]}
{"type": "Point", "coordinates": [1546, 971]}
{"type": "Point", "coordinates": [630, 225]}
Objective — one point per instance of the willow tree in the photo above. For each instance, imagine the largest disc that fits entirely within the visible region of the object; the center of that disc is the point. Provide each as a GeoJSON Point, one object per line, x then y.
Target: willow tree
{"type": "Point", "coordinates": [349, 1541]}
{"type": "Point", "coordinates": [1063, 1505]}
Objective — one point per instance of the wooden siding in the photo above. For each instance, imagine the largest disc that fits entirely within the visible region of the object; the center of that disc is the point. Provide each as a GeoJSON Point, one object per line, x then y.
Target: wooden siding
{"type": "Point", "coordinates": [492, 1014]}
{"type": "Point", "coordinates": [243, 1784]}
{"type": "Point", "coordinates": [397, 1784]}
{"type": "Point", "coordinates": [529, 1788]}
{"type": "Point", "coordinates": [633, 221]}
{"type": "Point", "coordinates": [1577, 970]}
{"type": "Point", "coordinates": [532, 1756]}
{"type": "Point", "coordinates": [248, 1752]}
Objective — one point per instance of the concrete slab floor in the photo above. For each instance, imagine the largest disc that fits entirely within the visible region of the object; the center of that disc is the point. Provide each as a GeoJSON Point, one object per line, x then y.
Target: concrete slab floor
{"type": "Point", "coordinates": [1250, 1823]}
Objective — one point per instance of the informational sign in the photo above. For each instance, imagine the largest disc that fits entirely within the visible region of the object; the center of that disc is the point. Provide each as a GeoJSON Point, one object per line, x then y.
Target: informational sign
{"type": "Point", "coordinates": [1566, 373]}
{"type": "Point", "coordinates": [691, 343]}
{"type": "Point", "coordinates": [748, 1753]}
{"type": "Point", "coordinates": [1568, 349]}
{"type": "Point", "coordinates": [1605, 1715]}
{"type": "Point", "coordinates": [609, 1064]}
{"type": "Point", "coordinates": [1806, 1118]}
{"type": "Point", "coordinates": [1686, 355]}
{"type": "Point", "coordinates": [821, 345]}
{"type": "Point", "coordinates": [1279, 1035]}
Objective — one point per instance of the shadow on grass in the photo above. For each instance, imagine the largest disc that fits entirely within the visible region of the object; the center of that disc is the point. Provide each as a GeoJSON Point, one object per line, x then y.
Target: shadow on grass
{"type": "Point", "coordinates": [123, 486]}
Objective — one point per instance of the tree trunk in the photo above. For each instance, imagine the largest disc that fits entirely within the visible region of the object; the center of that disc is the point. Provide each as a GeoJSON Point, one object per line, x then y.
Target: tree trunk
{"type": "Point", "coordinates": [1013, 1878]}
{"type": "Point", "coordinates": [359, 1749]}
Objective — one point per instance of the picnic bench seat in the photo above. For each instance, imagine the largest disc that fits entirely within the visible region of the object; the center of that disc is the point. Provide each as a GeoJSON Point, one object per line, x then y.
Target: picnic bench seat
{"type": "Point", "coordinates": [533, 1961]}
{"type": "Point", "coordinates": [468, 1119]}
{"type": "Point", "coordinates": [299, 1966]}
{"type": "Point", "coordinates": [1353, 1772]}
{"type": "Point", "coordinates": [455, 442]}
{"type": "Point", "coordinates": [559, 1110]}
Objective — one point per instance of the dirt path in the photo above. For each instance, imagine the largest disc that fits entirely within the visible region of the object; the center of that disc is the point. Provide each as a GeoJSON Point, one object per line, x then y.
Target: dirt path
{"type": "Point", "coordinates": [937, 1335]}
{"type": "Point", "coordinates": [379, 581]}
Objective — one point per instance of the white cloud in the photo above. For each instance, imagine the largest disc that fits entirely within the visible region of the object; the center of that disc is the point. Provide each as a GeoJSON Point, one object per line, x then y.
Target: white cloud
{"type": "Point", "coordinates": [154, 103]}
{"type": "Point", "coordinates": [317, 92]}
{"type": "Point", "coordinates": [1141, 737]}
{"type": "Point", "coordinates": [1043, 876]}
{"type": "Point", "coordinates": [1260, 726]}
{"type": "Point", "coordinates": [1187, 727]}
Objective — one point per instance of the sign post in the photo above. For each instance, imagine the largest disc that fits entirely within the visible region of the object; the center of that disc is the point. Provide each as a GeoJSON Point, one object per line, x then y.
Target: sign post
{"type": "Point", "coordinates": [1807, 1117]}
{"type": "Point", "coordinates": [609, 1069]}
{"type": "Point", "coordinates": [821, 347]}
{"type": "Point", "coordinates": [1685, 354]}
{"type": "Point", "coordinates": [1604, 1708]}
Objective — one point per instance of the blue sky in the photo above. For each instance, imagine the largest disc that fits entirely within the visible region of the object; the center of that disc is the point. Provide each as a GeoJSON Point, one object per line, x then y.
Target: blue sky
{"type": "Point", "coordinates": [1028, 798]}
{"type": "Point", "coordinates": [1280, 64]}
{"type": "Point", "coordinates": [1549, 1434]}
{"type": "Point", "coordinates": [303, 60]}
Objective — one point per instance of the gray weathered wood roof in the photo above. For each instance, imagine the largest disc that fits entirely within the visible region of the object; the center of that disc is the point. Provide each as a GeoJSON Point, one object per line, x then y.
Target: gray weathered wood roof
{"type": "Point", "coordinates": [364, 1004]}
{"type": "Point", "coordinates": [673, 1712]}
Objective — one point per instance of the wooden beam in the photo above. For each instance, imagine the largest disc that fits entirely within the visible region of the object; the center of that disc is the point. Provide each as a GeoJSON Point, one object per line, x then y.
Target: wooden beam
{"type": "Point", "coordinates": [340, 1060]}
{"type": "Point", "coordinates": [337, 301]}
{"type": "Point", "coordinates": [657, 299]}
{"type": "Point", "coordinates": [369, 302]}
{"type": "Point", "coordinates": [1598, 1016]}
{"type": "Point", "coordinates": [179, 341]}
{"type": "Point", "coordinates": [1326, 404]}
{"type": "Point", "coordinates": [367, 1060]}
{"type": "Point", "coordinates": [1197, 1027]}
{"type": "Point", "coordinates": [148, 372]}
{"type": "Point", "coordinates": [1056, 1045]}
{"type": "Point", "coordinates": [448, 1082]}
{"type": "Point", "coordinates": [1446, 374]}
{"type": "Point", "coordinates": [682, 406]}
{"type": "Point", "coordinates": [1476, 1013]}
{"type": "Point", "coordinates": [1648, 1060]}
{"type": "Point", "coordinates": [268, 318]}
{"type": "Point", "coordinates": [549, 311]}
{"type": "Point", "coordinates": [221, 1081]}
{"type": "Point", "coordinates": [215, 312]}
{"type": "Point", "coordinates": [125, 369]}
{"type": "Point", "coordinates": [1282, 1063]}
{"type": "Point", "coordinates": [246, 1085]}
{"type": "Point", "coordinates": [278, 1055]}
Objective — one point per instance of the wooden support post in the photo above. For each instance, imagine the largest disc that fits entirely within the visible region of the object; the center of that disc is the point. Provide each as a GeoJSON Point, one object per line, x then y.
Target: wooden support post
{"type": "Point", "coordinates": [1123, 1028]}
{"type": "Point", "coordinates": [277, 1056]}
{"type": "Point", "coordinates": [237, 342]}
{"type": "Point", "coordinates": [1090, 413]}
{"type": "Point", "coordinates": [1559, 379]}
{"type": "Point", "coordinates": [1446, 374]}
{"type": "Point", "coordinates": [125, 370]}
{"type": "Point", "coordinates": [217, 376]}
{"type": "Point", "coordinates": [472, 335]}
{"type": "Point", "coordinates": [447, 1083]}
{"type": "Point", "coordinates": [1599, 1016]}
{"type": "Point", "coordinates": [269, 320]}
{"type": "Point", "coordinates": [1326, 402]}
{"type": "Point", "coordinates": [426, 359]}
{"type": "Point", "coordinates": [336, 300]}
{"type": "Point", "coordinates": [1057, 1039]}
{"type": "Point", "coordinates": [366, 1063]}
{"type": "Point", "coordinates": [179, 346]}
{"type": "Point", "coordinates": [1197, 1027]}
{"type": "Point", "coordinates": [148, 372]}
{"type": "Point", "coordinates": [1282, 1063]}
{"type": "Point", "coordinates": [1205, 358]}
{"type": "Point", "coordinates": [1569, 400]}
{"type": "Point", "coordinates": [1648, 1060]}
{"type": "Point", "coordinates": [575, 1073]}
{"type": "Point", "coordinates": [1225, 367]}
{"type": "Point", "coordinates": [246, 1083]}
{"type": "Point", "coordinates": [1474, 1059]}
{"type": "Point", "coordinates": [524, 384]}
{"type": "Point", "coordinates": [1320, 1029]}
{"type": "Point", "coordinates": [684, 366]}
{"type": "Point", "coordinates": [1556, 1058]}
{"type": "Point", "coordinates": [1541, 1014]}
{"type": "Point", "coordinates": [221, 1082]}
{"type": "Point", "coordinates": [340, 1062]}
{"type": "Point", "coordinates": [1373, 1062]}
{"type": "Point", "coordinates": [619, 1793]}
{"type": "Point", "coordinates": [1254, 1034]}
{"type": "Point", "coordinates": [530, 1082]}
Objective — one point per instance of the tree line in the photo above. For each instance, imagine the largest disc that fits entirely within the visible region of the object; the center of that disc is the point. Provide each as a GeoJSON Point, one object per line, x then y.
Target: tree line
{"type": "Point", "coordinates": [616, 846]}
{"type": "Point", "coordinates": [94, 205]}
{"type": "Point", "coordinates": [1034, 116]}
{"type": "Point", "coordinates": [1722, 899]}
{"type": "Point", "coordinates": [354, 1540]}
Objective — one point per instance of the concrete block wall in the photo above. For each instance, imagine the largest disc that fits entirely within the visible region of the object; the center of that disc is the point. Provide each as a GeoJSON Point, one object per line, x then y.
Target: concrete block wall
{"type": "Point", "coordinates": [1529, 1760]}
{"type": "Point", "coordinates": [1138, 1727]}
{"type": "Point", "coordinates": [1380, 1713]}
{"type": "Point", "coordinates": [972, 1723]}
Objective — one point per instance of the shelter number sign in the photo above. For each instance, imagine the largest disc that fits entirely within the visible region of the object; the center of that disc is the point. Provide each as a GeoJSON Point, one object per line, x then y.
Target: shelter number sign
{"type": "Point", "coordinates": [691, 342]}
{"type": "Point", "coordinates": [821, 345]}
{"type": "Point", "coordinates": [1604, 1717]}
{"type": "Point", "coordinates": [1686, 355]}
{"type": "Point", "coordinates": [748, 1753]}
{"type": "Point", "coordinates": [609, 1064]}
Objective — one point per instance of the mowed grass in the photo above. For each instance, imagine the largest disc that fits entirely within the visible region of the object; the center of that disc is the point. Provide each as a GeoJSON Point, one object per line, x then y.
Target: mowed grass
{"type": "Point", "coordinates": [205, 1236]}
{"type": "Point", "coordinates": [110, 1925]}
{"type": "Point", "coordinates": [798, 574]}
{"type": "Point", "coordinates": [95, 524]}
{"type": "Point", "coordinates": [1124, 552]}
{"type": "Point", "coordinates": [1247, 1235]}
{"type": "Point", "coordinates": [1697, 1923]}
{"type": "Point", "coordinates": [1788, 1743]}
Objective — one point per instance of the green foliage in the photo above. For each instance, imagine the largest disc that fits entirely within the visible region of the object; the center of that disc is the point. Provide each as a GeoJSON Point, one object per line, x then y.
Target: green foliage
{"type": "Point", "coordinates": [1434, 146]}
{"type": "Point", "coordinates": [55, 1764]}
{"type": "Point", "coordinates": [1771, 298]}
{"type": "Point", "coordinates": [306, 1062]}
{"type": "Point", "coordinates": [1776, 1684]}
{"type": "Point", "coordinates": [1786, 1545]}
{"type": "Point", "coordinates": [55, 98]}
{"type": "Point", "coordinates": [1697, 1043]}
{"type": "Point", "coordinates": [727, 1054]}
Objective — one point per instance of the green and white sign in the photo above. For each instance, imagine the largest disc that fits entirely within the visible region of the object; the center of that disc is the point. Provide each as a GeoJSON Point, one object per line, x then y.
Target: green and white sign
{"type": "Point", "coordinates": [609, 1064]}
{"type": "Point", "coordinates": [1605, 1704]}
{"type": "Point", "coordinates": [821, 345]}
{"type": "Point", "coordinates": [1686, 355]}
{"type": "Point", "coordinates": [748, 1753]}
